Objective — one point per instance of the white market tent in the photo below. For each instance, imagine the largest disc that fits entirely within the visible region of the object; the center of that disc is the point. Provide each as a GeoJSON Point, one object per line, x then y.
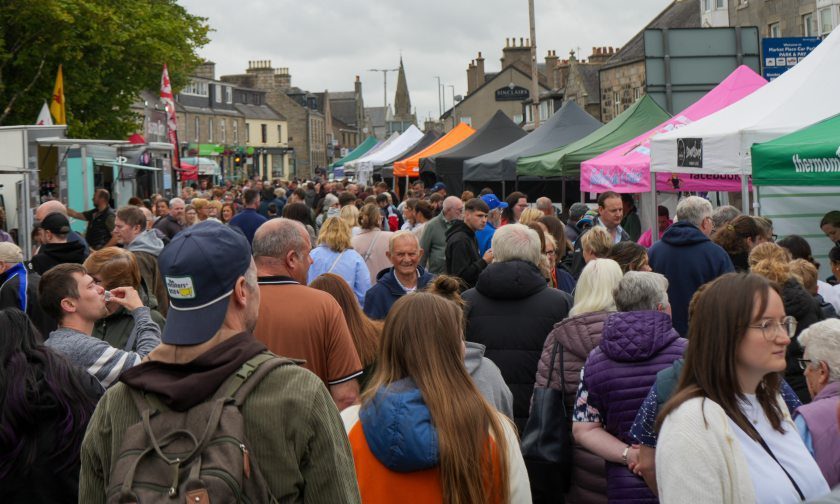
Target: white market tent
{"type": "Point", "coordinates": [390, 151]}
{"type": "Point", "coordinates": [719, 144]}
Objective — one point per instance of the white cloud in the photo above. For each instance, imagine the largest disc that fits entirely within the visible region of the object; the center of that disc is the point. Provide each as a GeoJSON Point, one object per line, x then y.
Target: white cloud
{"type": "Point", "coordinates": [326, 43]}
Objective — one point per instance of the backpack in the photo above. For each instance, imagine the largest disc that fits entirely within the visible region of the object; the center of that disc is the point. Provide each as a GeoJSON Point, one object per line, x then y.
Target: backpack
{"type": "Point", "coordinates": [195, 455]}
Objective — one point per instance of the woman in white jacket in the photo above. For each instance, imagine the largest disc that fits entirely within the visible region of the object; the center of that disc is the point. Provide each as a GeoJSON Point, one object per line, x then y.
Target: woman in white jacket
{"type": "Point", "coordinates": [726, 435]}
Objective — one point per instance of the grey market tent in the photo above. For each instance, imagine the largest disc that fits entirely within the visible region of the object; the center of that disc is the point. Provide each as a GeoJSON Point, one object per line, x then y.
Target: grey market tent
{"type": "Point", "coordinates": [567, 125]}
{"type": "Point", "coordinates": [448, 166]}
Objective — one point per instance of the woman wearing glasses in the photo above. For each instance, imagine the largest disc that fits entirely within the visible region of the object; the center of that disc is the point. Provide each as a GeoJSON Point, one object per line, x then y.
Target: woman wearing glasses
{"type": "Point", "coordinates": [774, 263]}
{"type": "Point", "coordinates": [726, 435]}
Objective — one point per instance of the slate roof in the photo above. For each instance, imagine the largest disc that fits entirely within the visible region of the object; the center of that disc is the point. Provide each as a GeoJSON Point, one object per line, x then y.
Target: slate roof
{"type": "Point", "coordinates": [679, 14]}
{"type": "Point", "coordinates": [251, 111]}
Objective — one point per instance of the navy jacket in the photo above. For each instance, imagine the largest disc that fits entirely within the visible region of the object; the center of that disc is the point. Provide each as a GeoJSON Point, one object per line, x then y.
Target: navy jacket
{"type": "Point", "coordinates": [688, 259]}
{"type": "Point", "coordinates": [381, 297]}
{"type": "Point", "coordinates": [248, 221]}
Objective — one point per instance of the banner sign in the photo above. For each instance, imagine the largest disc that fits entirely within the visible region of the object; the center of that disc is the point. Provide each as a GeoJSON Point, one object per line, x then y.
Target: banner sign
{"type": "Point", "coordinates": [512, 93]}
{"type": "Point", "coordinates": [781, 54]}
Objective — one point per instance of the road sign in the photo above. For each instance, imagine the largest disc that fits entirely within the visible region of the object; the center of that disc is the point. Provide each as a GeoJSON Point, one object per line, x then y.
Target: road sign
{"type": "Point", "coordinates": [780, 54]}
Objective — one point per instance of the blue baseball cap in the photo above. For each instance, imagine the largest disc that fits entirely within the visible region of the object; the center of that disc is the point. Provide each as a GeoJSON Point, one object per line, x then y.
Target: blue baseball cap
{"type": "Point", "coordinates": [200, 267]}
{"type": "Point", "coordinates": [437, 187]}
{"type": "Point", "coordinates": [493, 202]}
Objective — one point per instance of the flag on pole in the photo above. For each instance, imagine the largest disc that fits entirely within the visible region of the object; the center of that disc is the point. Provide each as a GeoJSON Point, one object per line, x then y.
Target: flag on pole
{"type": "Point", "coordinates": [171, 117]}
{"type": "Point", "coordinates": [57, 107]}
{"type": "Point", "coordinates": [44, 118]}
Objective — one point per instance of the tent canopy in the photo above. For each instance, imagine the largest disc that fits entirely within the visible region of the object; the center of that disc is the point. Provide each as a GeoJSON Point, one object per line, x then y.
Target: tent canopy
{"type": "Point", "coordinates": [360, 150]}
{"type": "Point", "coordinates": [428, 139]}
{"type": "Point", "coordinates": [448, 166]}
{"type": "Point", "coordinates": [720, 143]}
{"type": "Point", "coordinates": [565, 162]}
{"type": "Point", "coordinates": [384, 153]}
{"type": "Point", "coordinates": [410, 166]}
{"type": "Point", "coordinates": [808, 157]}
{"type": "Point", "coordinates": [626, 168]}
{"type": "Point", "coordinates": [567, 125]}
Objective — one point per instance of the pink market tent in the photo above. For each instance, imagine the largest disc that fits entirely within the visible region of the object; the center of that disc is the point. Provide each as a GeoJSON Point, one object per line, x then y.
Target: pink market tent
{"type": "Point", "coordinates": [626, 168]}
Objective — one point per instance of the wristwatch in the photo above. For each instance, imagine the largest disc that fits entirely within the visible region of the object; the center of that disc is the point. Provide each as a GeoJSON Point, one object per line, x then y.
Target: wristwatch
{"type": "Point", "coordinates": [624, 454]}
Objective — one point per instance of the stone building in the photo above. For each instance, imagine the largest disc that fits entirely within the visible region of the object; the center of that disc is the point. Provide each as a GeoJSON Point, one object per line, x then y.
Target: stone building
{"type": "Point", "coordinates": [307, 129]}
{"type": "Point", "coordinates": [775, 18]}
{"type": "Point", "coordinates": [266, 135]}
{"type": "Point", "coordinates": [622, 76]}
{"type": "Point", "coordinates": [346, 126]}
{"type": "Point", "coordinates": [505, 90]}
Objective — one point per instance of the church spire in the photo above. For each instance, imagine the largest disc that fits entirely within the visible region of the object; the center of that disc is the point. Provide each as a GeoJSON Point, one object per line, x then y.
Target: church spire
{"type": "Point", "coordinates": [402, 102]}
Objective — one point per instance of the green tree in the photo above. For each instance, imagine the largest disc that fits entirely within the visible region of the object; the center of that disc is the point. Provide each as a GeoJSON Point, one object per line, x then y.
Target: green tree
{"type": "Point", "coordinates": [110, 51]}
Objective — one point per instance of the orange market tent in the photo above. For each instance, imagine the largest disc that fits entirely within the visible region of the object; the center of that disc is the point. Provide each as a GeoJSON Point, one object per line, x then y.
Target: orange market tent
{"type": "Point", "coordinates": [410, 166]}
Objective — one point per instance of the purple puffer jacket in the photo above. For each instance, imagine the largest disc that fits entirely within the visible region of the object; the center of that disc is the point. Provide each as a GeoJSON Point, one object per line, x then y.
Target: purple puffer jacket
{"type": "Point", "coordinates": [579, 335]}
{"type": "Point", "coordinates": [619, 374]}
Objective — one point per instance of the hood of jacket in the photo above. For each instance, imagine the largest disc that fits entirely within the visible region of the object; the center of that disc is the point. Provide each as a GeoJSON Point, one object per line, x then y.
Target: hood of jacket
{"type": "Point", "coordinates": [147, 241]}
{"type": "Point", "coordinates": [70, 252]}
{"type": "Point", "coordinates": [398, 428]}
{"type": "Point", "coordinates": [473, 354]}
{"type": "Point", "coordinates": [636, 336]}
{"type": "Point", "coordinates": [458, 226]}
{"type": "Point", "coordinates": [581, 333]}
{"type": "Point", "coordinates": [682, 234]}
{"type": "Point", "coordinates": [387, 278]}
{"type": "Point", "coordinates": [800, 304]}
{"type": "Point", "coordinates": [510, 280]}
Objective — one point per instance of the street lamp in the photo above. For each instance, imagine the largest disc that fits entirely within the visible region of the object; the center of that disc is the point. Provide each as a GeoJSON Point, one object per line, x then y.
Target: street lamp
{"type": "Point", "coordinates": [440, 96]}
{"type": "Point", "coordinates": [384, 83]}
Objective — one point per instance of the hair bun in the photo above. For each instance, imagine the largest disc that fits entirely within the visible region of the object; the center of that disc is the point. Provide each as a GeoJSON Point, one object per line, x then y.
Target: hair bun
{"type": "Point", "coordinates": [446, 284]}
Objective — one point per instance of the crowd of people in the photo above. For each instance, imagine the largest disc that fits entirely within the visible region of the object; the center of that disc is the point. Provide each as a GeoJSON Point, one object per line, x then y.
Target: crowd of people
{"type": "Point", "coordinates": [331, 342]}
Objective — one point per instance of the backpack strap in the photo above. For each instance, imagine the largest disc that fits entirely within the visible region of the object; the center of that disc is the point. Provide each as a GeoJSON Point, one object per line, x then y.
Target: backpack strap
{"type": "Point", "coordinates": [251, 374]}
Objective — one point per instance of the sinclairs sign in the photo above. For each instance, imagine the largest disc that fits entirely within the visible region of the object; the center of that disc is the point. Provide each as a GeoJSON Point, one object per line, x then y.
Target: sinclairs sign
{"type": "Point", "coordinates": [512, 93]}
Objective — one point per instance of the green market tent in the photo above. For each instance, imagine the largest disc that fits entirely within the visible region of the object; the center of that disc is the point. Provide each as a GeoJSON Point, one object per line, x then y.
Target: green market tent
{"type": "Point", "coordinates": [807, 157]}
{"type": "Point", "coordinates": [641, 117]}
{"type": "Point", "coordinates": [362, 149]}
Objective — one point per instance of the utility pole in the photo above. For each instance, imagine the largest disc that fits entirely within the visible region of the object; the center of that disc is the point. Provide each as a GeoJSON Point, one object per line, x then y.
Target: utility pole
{"type": "Point", "coordinates": [535, 90]}
{"type": "Point", "coordinates": [384, 83]}
{"type": "Point", "coordinates": [440, 95]}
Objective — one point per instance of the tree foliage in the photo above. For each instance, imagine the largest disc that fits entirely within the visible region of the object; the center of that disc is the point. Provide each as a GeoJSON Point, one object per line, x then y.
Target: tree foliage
{"type": "Point", "coordinates": [110, 51]}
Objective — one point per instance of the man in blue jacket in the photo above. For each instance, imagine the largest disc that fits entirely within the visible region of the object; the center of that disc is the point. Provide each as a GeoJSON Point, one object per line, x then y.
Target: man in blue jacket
{"type": "Point", "coordinates": [405, 277]}
{"type": "Point", "coordinates": [687, 257]}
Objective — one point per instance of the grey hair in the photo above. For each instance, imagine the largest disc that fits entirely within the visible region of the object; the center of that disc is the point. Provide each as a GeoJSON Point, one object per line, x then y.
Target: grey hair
{"type": "Point", "coordinates": [724, 215]}
{"type": "Point", "coordinates": [251, 279]}
{"type": "Point", "coordinates": [544, 203]}
{"type": "Point", "coordinates": [277, 237]}
{"type": "Point", "coordinates": [402, 235]}
{"type": "Point", "coordinates": [450, 202]}
{"type": "Point", "coordinates": [694, 209]}
{"type": "Point", "coordinates": [329, 200]}
{"type": "Point", "coordinates": [516, 241]}
{"type": "Point", "coordinates": [641, 290]}
{"type": "Point", "coordinates": [822, 344]}
{"type": "Point", "coordinates": [176, 200]}
{"type": "Point", "coordinates": [576, 211]}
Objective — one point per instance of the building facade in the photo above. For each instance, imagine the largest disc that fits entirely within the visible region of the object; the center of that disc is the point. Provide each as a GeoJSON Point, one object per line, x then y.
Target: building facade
{"type": "Point", "coordinates": [777, 18]}
{"type": "Point", "coordinates": [306, 125]}
{"type": "Point", "coordinates": [266, 136]}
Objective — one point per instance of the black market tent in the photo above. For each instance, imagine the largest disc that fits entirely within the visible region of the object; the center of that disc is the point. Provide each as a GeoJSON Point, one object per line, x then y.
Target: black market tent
{"type": "Point", "coordinates": [567, 125]}
{"type": "Point", "coordinates": [428, 139]}
{"type": "Point", "coordinates": [448, 166]}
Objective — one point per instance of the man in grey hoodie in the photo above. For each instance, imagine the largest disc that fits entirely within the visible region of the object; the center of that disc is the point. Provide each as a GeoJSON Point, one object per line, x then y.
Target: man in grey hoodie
{"type": "Point", "coordinates": [71, 296]}
{"type": "Point", "coordinates": [130, 230]}
{"type": "Point", "coordinates": [488, 378]}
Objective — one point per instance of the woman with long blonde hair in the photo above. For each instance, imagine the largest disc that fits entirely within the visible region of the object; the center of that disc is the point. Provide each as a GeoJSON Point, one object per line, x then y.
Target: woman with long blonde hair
{"type": "Point", "coordinates": [411, 441]}
{"type": "Point", "coordinates": [335, 254]}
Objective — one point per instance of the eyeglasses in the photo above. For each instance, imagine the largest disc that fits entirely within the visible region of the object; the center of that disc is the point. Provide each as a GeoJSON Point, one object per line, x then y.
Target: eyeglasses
{"type": "Point", "coordinates": [803, 363]}
{"type": "Point", "coordinates": [550, 252]}
{"type": "Point", "coordinates": [774, 237]}
{"type": "Point", "coordinates": [787, 326]}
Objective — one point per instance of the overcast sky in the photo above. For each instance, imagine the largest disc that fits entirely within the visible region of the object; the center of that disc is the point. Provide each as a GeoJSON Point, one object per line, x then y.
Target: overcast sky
{"type": "Point", "coordinates": [326, 43]}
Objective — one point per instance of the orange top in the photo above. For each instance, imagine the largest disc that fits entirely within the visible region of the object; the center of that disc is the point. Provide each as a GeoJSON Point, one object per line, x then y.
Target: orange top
{"type": "Point", "coordinates": [380, 485]}
{"type": "Point", "coordinates": [410, 166]}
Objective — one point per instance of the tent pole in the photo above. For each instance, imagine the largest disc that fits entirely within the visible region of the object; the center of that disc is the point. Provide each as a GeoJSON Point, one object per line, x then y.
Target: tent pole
{"type": "Point", "coordinates": [503, 190]}
{"type": "Point", "coordinates": [563, 193]}
{"type": "Point", "coordinates": [654, 228]}
{"type": "Point", "coordinates": [745, 195]}
{"type": "Point", "coordinates": [756, 203]}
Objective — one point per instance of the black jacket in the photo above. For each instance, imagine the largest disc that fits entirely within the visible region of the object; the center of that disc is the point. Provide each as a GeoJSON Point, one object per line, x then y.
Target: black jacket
{"type": "Point", "coordinates": [462, 257]}
{"type": "Point", "coordinates": [53, 254]}
{"type": "Point", "coordinates": [800, 305]}
{"type": "Point", "coordinates": [510, 311]}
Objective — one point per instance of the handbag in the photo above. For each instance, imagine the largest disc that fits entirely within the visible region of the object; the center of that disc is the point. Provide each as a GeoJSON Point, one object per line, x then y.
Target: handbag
{"type": "Point", "coordinates": [547, 439]}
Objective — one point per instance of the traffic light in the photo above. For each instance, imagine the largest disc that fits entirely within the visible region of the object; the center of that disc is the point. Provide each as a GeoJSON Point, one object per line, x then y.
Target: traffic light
{"type": "Point", "coordinates": [237, 160]}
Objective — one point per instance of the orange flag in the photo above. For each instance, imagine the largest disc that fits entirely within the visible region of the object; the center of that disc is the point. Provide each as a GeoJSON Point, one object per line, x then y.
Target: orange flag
{"type": "Point", "coordinates": [57, 107]}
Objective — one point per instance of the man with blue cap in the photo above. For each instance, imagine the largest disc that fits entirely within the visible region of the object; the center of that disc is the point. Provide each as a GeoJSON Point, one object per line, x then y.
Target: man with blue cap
{"type": "Point", "coordinates": [494, 220]}
{"type": "Point", "coordinates": [296, 437]}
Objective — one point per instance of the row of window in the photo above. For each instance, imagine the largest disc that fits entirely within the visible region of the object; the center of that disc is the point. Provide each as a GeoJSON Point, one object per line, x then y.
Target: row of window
{"type": "Point", "coordinates": [200, 88]}
{"type": "Point", "coordinates": [719, 4]}
{"type": "Point", "coordinates": [223, 131]}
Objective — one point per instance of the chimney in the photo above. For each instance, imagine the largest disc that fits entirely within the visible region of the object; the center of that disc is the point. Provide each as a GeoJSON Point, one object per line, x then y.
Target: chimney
{"type": "Point", "coordinates": [551, 69]}
{"type": "Point", "coordinates": [471, 77]}
{"type": "Point", "coordinates": [479, 70]}
{"type": "Point", "coordinates": [599, 56]}
{"type": "Point", "coordinates": [206, 70]}
{"type": "Point", "coordinates": [514, 53]}
{"type": "Point", "coordinates": [282, 77]}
